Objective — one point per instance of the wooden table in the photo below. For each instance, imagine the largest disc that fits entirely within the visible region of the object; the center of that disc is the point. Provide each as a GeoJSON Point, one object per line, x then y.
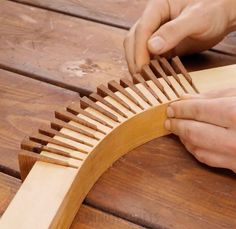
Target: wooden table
{"type": "Point", "coordinates": [50, 51]}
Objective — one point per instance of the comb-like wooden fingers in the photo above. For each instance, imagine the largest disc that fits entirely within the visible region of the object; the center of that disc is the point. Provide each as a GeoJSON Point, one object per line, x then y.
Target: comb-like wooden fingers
{"type": "Point", "coordinates": [137, 78]}
{"type": "Point", "coordinates": [58, 125]}
{"type": "Point", "coordinates": [114, 86]}
{"type": "Point", "coordinates": [128, 84]}
{"type": "Point", "coordinates": [86, 102]}
{"type": "Point", "coordinates": [170, 70]}
{"type": "Point", "coordinates": [148, 74]}
{"type": "Point", "coordinates": [156, 67]}
{"type": "Point", "coordinates": [95, 97]}
{"type": "Point", "coordinates": [176, 62]}
{"type": "Point", "coordinates": [76, 109]}
{"type": "Point", "coordinates": [104, 91]}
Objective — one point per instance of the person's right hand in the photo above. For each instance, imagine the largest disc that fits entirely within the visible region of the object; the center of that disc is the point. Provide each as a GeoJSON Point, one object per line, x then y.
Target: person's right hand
{"type": "Point", "coordinates": [178, 27]}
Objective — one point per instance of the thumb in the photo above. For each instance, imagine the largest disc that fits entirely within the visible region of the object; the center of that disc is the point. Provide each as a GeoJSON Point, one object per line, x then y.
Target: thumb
{"type": "Point", "coordinates": [170, 34]}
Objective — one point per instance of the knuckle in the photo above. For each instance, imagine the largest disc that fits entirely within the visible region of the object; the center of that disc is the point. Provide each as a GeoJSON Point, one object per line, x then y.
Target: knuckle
{"type": "Point", "coordinates": [142, 29]}
{"type": "Point", "coordinates": [201, 156]}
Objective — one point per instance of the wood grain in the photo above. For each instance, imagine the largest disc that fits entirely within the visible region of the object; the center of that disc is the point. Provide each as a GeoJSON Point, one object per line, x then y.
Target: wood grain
{"type": "Point", "coordinates": [91, 218]}
{"type": "Point", "coordinates": [120, 13]}
{"type": "Point", "coordinates": [62, 50]}
{"type": "Point", "coordinates": [86, 218]}
{"type": "Point", "coordinates": [159, 185]}
{"type": "Point", "coordinates": [25, 105]}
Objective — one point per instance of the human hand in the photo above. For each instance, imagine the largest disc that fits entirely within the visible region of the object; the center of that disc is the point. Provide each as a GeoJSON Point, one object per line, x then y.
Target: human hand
{"type": "Point", "coordinates": [206, 125]}
{"type": "Point", "coordinates": [178, 27]}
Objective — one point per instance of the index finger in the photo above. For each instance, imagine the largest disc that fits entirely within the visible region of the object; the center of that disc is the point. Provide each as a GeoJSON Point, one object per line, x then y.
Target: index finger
{"type": "Point", "coordinates": [155, 13]}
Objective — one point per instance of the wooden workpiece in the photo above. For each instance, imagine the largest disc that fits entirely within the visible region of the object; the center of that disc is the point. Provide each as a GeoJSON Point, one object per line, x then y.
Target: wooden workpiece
{"type": "Point", "coordinates": [77, 176]}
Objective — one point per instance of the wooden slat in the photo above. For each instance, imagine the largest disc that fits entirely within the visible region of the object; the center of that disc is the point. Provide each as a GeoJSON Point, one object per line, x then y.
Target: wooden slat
{"type": "Point", "coordinates": [86, 218]}
{"type": "Point", "coordinates": [160, 185]}
{"type": "Point", "coordinates": [66, 51]}
{"type": "Point", "coordinates": [117, 13]}
{"type": "Point", "coordinates": [25, 105]}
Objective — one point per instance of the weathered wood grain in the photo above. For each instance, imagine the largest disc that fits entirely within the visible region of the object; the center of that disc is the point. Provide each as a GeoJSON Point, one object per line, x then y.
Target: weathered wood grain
{"type": "Point", "coordinates": [25, 105]}
{"type": "Point", "coordinates": [8, 188]}
{"type": "Point", "coordinates": [63, 50]}
{"type": "Point", "coordinates": [160, 185]}
{"type": "Point", "coordinates": [67, 51]}
{"type": "Point", "coordinates": [86, 218]}
{"type": "Point", "coordinates": [120, 13]}
{"type": "Point", "coordinates": [91, 218]}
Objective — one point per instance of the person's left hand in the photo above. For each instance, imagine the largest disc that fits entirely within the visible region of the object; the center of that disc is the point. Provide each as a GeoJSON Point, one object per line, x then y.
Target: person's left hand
{"type": "Point", "coordinates": [206, 125]}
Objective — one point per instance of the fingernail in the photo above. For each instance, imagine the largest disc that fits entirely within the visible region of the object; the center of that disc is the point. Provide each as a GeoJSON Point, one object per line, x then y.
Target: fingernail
{"type": "Point", "coordinates": [156, 44]}
{"type": "Point", "coordinates": [167, 124]}
{"type": "Point", "coordinates": [170, 112]}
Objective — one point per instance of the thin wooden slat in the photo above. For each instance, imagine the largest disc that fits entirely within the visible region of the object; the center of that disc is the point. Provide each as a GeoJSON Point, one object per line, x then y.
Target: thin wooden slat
{"type": "Point", "coordinates": [104, 91]}
{"type": "Point", "coordinates": [38, 148]}
{"type": "Point", "coordinates": [127, 83]}
{"type": "Point", "coordinates": [44, 140]}
{"type": "Point", "coordinates": [137, 78]}
{"type": "Point", "coordinates": [67, 116]}
{"type": "Point", "coordinates": [76, 109]}
{"type": "Point", "coordinates": [47, 130]}
{"type": "Point", "coordinates": [159, 71]}
{"type": "Point", "coordinates": [114, 86]}
{"type": "Point", "coordinates": [95, 97]}
{"type": "Point", "coordinates": [178, 65]}
{"type": "Point", "coordinates": [166, 65]}
{"type": "Point", "coordinates": [58, 125]}
{"type": "Point", "coordinates": [86, 102]}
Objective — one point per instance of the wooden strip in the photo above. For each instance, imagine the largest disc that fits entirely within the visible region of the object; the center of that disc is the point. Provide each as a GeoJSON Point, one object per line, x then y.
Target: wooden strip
{"type": "Point", "coordinates": [159, 71]}
{"type": "Point", "coordinates": [76, 109]}
{"type": "Point", "coordinates": [86, 102]}
{"type": "Point", "coordinates": [58, 125]}
{"type": "Point", "coordinates": [95, 97]}
{"type": "Point", "coordinates": [166, 65]}
{"type": "Point", "coordinates": [44, 140]}
{"type": "Point", "coordinates": [47, 130]}
{"type": "Point", "coordinates": [125, 82]}
{"type": "Point", "coordinates": [38, 148]}
{"type": "Point", "coordinates": [67, 116]}
{"type": "Point", "coordinates": [114, 86]}
{"type": "Point", "coordinates": [104, 91]}
{"type": "Point", "coordinates": [178, 65]}
{"type": "Point", "coordinates": [137, 78]}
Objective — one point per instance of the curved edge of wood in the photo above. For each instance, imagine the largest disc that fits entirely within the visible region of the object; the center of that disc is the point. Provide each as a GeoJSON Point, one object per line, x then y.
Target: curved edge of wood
{"type": "Point", "coordinates": [127, 136]}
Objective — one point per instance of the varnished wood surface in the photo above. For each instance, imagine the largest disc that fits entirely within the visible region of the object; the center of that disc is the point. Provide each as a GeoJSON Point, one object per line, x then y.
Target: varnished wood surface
{"type": "Point", "coordinates": [25, 105]}
{"type": "Point", "coordinates": [120, 13]}
{"type": "Point", "coordinates": [67, 51]}
{"type": "Point", "coordinates": [63, 50]}
{"type": "Point", "coordinates": [87, 217]}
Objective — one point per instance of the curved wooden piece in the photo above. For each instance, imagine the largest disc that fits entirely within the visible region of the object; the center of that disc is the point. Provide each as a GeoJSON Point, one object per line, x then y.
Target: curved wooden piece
{"type": "Point", "coordinates": [66, 168]}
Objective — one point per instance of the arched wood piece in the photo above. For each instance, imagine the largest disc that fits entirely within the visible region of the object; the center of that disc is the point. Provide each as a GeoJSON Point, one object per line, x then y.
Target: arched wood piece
{"type": "Point", "coordinates": [65, 187]}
